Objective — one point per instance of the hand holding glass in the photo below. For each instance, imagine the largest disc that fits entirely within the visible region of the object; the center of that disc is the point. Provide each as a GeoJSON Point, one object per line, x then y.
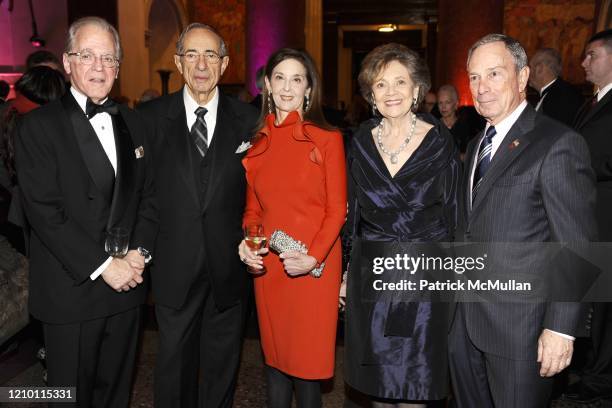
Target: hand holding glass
{"type": "Point", "coordinates": [254, 237]}
{"type": "Point", "coordinates": [117, 241]}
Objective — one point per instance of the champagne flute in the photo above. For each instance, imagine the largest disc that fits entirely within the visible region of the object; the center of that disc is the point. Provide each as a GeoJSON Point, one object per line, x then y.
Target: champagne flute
{"type": "Point", "coordinates": [254, 237]}
{"type": "Point", "coordinates": [117, 241]}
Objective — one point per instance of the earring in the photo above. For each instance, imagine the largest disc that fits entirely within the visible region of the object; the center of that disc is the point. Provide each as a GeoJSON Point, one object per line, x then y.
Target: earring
{"type": "Point", "coordinates": [373, 108]}
{"type": "Point", "coordinates": [306, 104]}
{"type": "Point", "coordinates": [269, 103]}
{"type": "Point", "coordinates": [414, 104]}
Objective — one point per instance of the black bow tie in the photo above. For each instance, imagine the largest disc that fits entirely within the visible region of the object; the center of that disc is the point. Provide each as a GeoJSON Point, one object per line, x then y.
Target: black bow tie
{"type": "Point", "coordinates": [92, 109]}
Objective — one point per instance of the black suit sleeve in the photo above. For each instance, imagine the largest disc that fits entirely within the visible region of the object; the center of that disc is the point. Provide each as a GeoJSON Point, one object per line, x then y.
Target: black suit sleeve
{"type": "Point", "coordinates": [568, 190]}
{"type": "Point", "coordinates": [43, 201]}
{"type": "Point", "coordinates": [147, 221]}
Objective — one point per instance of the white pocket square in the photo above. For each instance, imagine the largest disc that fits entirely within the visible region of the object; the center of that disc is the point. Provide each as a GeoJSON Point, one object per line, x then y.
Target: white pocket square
{"type": "Point", "coordinates": [244, 146]}
{"type": "Point", "coordinates": [139, 151]}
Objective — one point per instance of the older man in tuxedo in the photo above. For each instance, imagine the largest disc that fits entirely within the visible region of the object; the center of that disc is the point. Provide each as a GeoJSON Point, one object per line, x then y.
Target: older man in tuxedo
{"type": "Point", "coordinates": [82, 170]}
{"type": "Point", "coordinates": [558, 98]}
{"type": "Point", "coordinates": [527, 180]}
{"type": "Point", "coordinates": [200, 286]}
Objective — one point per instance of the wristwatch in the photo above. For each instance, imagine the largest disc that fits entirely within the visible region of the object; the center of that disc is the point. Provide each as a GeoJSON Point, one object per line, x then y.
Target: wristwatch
{"type": "Point", "coordinates": [145, 253]}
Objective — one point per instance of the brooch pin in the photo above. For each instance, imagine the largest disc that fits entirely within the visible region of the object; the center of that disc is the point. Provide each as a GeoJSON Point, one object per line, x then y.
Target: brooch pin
{"type": "Point", "coordinates": [515, 143]}
{"type": "Point", "coordinates": [139, 152]}
{"type": "Point", "coordinates": [244, 146]}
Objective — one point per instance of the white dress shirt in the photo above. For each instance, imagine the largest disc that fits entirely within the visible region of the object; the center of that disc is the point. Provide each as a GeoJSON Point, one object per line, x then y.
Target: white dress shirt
{"type": "Point", "coordinates": [211, 115]}
{"type": "Point", "coordinates": [541, 92]}
{"type": "Point", "coordinates": [603, 91]}
{"type": "Point", "coordinates": [102, 124]}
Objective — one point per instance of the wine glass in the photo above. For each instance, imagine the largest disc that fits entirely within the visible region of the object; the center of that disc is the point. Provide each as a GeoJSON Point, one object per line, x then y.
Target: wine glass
{"type": "Point", "coordinates": [116, 243]}
{"type": "Point", "coordinates": [254, 237]}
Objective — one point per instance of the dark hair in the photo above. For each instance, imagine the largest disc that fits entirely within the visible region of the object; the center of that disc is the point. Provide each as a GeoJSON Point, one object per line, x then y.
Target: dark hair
{"type": "Point", "coordinates": [378, 59]}
{"type": "Point", "coordinates": [605, 36]}
{"type": "Point", "coordinates": [5, 88]}
{"type": "Point", "coordinates": [41, 85]}
{"type": "Point", "coordinates": [41, 57]}
{"type": "Point", "coordinates": [314, 114]}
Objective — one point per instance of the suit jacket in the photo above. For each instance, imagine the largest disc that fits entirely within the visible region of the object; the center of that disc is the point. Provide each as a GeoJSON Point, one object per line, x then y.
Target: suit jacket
{"type": "Point", "coordinates": [537, 189]}
{"type": "Point", "coordinates": [562, 102]}
{"type": "Point", "coordinates": [71, 197]}
{"type": "Point", "coordinates": [595, 125]}
{"type": "Point", "coordinates": [198, 234]}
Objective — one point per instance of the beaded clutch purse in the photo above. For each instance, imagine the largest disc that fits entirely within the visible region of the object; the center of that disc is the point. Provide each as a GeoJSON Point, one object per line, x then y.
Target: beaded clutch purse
{"type": "Point", "coordinates": [281, 242]}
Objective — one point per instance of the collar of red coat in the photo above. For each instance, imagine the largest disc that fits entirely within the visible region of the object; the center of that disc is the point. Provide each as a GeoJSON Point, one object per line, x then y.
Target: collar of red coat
{"type": "Point", "coordinates": [300, 132]}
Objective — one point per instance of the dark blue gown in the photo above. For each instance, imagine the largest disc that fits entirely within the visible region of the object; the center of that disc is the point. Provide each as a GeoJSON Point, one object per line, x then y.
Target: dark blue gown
{"type": "Point", "coordinates": [398, 350]}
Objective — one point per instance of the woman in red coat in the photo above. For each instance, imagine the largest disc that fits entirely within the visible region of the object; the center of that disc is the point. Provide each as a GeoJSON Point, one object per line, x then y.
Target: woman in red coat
{"type": "Point", "coordinates": [296, 183]}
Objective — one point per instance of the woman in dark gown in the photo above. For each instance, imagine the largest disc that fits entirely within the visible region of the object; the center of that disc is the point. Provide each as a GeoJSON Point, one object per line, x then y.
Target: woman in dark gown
{"type": "Point", "coordinates": [403, 173]}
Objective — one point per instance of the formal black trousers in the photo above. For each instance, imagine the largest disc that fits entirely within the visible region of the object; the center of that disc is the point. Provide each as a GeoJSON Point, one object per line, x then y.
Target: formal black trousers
{"type": "Point", "coordinates": [484, 380]}
{"type": "Point", "coordinates": [199, 351]}
{"type": "Point", "coordinates": [96, 356]}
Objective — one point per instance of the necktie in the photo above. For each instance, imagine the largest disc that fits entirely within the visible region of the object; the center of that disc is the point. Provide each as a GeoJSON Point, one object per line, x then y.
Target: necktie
{"type": "Point", "coordinates": [92, 109]}
{"type": "Point", "coordinates": [539, 104]}
{"type": "Point", "coordinates": [484, 159]}
{"type": "Point", "coordinates": [199, 131]}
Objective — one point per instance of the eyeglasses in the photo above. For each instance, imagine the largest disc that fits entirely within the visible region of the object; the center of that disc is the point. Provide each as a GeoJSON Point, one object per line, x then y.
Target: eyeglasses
{"type": "Point", "coordinates": [88, 58]}
{"type": "Point", "coordinates": [193, 57]}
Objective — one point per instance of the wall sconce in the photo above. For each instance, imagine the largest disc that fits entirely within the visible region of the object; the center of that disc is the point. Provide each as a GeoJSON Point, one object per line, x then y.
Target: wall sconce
{"type": "Point", "coordinates": [36, 40]}
{"type": "Point", "coordinates": [387, 28]}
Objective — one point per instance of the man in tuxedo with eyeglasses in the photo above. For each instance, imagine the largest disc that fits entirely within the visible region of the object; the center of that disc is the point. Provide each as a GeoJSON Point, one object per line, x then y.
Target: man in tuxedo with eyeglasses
{"type": "Point", "coordinates": [83, 169]}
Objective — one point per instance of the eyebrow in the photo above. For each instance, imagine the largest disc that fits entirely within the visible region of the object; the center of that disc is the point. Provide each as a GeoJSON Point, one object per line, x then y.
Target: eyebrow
{"type": "Point", "coordinates": [205, 51]}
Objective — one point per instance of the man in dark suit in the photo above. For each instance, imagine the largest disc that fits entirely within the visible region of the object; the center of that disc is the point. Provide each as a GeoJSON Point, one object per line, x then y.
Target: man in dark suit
{"type": "Point", "coordinates": [199, 283]}
{"type": "Point", "coordinates": [558, 99]}
{"type": "Point", "coordinates": [527, 180]}
{"type": "Point", "coordinates": [594, 122]}
{"type": "Point", "coordinates": [82, 169]}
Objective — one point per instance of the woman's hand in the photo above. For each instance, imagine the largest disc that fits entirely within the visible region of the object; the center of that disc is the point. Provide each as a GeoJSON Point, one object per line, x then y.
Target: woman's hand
{"type": "Point", "coordinates": [252, 258]}
{"type": "Point", "coordinates": [342, 296]}
{"type": "Point", "coordinates": [297, 263]}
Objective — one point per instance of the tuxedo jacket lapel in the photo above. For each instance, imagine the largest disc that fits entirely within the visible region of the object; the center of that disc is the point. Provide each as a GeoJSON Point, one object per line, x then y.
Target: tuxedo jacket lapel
{"type": "Point", "coordinates": [98, 165]}
{"type": "Point", "coordinates": [222, 146]}
{"type": "Point", "coordinates": [513, 144]}
{"type": "Point", "coordinates": [585, 116]}
{"type": "Point", "coordinates": [126, 168]}
{"type": "Point", "coordinates": [177, 137]}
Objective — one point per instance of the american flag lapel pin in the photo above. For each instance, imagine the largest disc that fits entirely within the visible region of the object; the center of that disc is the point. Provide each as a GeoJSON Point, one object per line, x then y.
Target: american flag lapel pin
{"type": "Point", "coordinates": [139, 151]}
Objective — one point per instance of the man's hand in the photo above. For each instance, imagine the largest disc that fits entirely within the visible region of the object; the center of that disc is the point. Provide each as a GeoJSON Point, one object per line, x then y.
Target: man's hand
{"type": "Point", "coordinates": [554, 353]}
{"type": "Point", "coordinates": [120, 276]}
{"type": "Point", "coordinates": [135, 260]}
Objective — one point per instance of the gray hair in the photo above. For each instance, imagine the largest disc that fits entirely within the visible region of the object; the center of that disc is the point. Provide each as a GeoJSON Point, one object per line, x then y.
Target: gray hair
{"type": "Point", "coordinates": [194, 26]}
{"type": "Point", "coordinates": [513, 46]}
{"type": "Point", "coordinates": [451, 90]}
{"type": "Point", "coordinates": [94, 21]}
{"type": "Point", "coordinates": [551, 58]}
